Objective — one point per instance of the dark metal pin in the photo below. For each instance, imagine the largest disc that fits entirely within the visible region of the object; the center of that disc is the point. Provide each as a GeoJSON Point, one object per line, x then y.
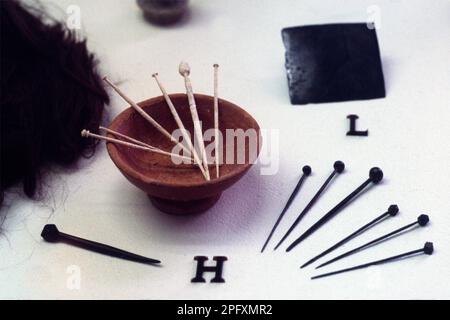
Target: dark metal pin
{"type": "Point", "coordinates": [51, 233]}
{"type": "Point", "coordinates": [375, 176]}
{"type": "Point", "coordinates": [427, 249]}
{"type": "Point", "coordinates": [422, 221]}
{"type": "Point", "coordinates": [306, 172]}
{"type": "Point", "coordinates": [391, 212]}
{"type": "Point", "coordinates": [339, 167]}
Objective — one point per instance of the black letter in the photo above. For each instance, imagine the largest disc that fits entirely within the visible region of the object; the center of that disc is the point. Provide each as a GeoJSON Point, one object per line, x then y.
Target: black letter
{"type": "Point", "coordinates": [217, 269]}
{"type": "Point", "coordinates": [353, 131]}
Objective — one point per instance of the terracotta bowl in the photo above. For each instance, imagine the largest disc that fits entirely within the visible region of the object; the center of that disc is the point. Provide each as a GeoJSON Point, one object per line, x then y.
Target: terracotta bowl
{"type": "Point", "coordinates": [180, 188]}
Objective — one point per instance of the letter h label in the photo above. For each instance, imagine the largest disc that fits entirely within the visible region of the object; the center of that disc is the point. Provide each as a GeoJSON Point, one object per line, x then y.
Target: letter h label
{"type": "Point", "coordinates": [217, 269]}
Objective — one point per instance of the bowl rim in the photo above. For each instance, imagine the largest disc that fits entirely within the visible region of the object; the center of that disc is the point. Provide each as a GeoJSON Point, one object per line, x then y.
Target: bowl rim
{"type": "Point", "coordinates": [123, 165]}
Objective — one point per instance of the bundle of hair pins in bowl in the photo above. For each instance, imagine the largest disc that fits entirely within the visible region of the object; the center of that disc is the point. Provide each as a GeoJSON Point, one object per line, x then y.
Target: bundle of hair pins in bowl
{"type": "Point", "coordinates": [200, 160]}
{"type": "Point", "coordinates": [375, 176]}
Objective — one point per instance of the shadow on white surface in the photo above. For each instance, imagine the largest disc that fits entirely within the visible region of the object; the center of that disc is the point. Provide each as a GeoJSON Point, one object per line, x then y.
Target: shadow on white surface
{"type": "Point", "coordinates": [229, 221]}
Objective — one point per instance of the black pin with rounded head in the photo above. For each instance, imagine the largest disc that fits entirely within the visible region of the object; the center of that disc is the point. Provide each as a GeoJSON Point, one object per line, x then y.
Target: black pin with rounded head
{"type": "Point", "coordinates": [391, 212]}
{"type": "Point", "coordinates": [427, 249]}
{"type": "Point", "coordinates": [375, 176]}
{"type": "Point", "coordinates": [339, 167]}
{"type": "Point", "coordinates": [50, 233]}
{"type": "Point", "coordinates": [306, 172]}
{"type": "Point", "coordinates": [422, 221]}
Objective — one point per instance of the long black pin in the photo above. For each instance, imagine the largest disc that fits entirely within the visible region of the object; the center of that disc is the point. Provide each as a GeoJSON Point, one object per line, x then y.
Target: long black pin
{"type": "Point", "coordinates": [422, 220]}
{"type": "Point", "coordinates": [427, 249]}
{"type": "Point", "coordinates": [339, 167]}
{"type": "Point", "coordinates": [375, 176]}
{"type": "Point", "coordinates": [51, 233]}
{"type": "Point", "coordinates": [306, 172]}
{"type": "Point", "coordinates": [391, 212]}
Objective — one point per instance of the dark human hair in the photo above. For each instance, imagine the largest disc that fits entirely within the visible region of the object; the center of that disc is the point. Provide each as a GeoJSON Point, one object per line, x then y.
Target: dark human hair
{"type": "Point", "coordinates": [50, 91]}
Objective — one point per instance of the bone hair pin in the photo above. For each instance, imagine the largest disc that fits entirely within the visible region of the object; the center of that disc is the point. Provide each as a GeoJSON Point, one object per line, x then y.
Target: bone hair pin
{"type": "Point", "coordinates": [86, 134]}
{"type": "Point", "coordinates": [176, 117]}
{"type": "Point", "coordinates": [427, 249]}
{"type": "Point", "coordinates": [50, 233]}
{"type": "Point", "coordinates": [216, 118]}
{"type": "Point", "coordinates": [132, 140]}
{"type": "Point", "coordinates": [184, 71]}
{"type": "Point", "coordinates": [391, 212]}
{"type": "Point", "coordinates": [338, 167]}
{"type": "Point", "coordinates": [306, 172]}
{"type": "Point", "coordinates": [153, 122]}
{"type": "Point", "coordinates": [421, 221]}
{"type": "Point", "coordinates": [375, 176]}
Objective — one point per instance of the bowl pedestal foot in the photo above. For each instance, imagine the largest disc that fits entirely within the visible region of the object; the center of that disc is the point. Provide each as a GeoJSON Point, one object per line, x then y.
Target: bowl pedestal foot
{"type": "Point", "coordinates": [184, 207]}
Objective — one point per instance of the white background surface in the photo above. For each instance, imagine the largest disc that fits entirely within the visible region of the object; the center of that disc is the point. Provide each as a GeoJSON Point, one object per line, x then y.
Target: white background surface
{"type": "Point", "coordinates": [409, 140]}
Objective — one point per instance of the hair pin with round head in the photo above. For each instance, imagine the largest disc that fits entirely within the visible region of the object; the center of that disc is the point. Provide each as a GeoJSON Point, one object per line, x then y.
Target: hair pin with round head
{"type": "Point", "coordinates": [375, 176]}
{"type": "Point", "coordinates": [306, 172]}
{"type": "Point", "coordinates": [391, 212]}
{"type": "Point", "coordinates": [338, 167]}
{"type": "Point", "coordinates": [427, 249]}
{"type": "Point", "coordinates": [421, 221]}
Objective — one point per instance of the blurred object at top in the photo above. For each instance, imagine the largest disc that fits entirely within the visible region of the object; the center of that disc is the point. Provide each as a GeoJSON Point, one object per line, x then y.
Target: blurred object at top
{"type": "Point", "coordinates": [163, 12]}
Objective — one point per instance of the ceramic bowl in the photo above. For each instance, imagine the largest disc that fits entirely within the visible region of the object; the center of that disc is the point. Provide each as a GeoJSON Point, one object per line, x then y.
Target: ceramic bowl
{"type": "Point", "coordinates": [181, 188]}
